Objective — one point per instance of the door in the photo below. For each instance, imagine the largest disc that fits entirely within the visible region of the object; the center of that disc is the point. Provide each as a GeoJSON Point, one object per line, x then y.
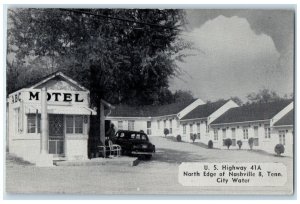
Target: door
{"type": "Point", "coordinates": [233, 137]}
{"type": "Point", "coordinates": [56, 134]}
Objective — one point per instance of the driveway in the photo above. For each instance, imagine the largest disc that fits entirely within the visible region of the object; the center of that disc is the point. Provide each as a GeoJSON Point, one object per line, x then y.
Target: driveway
{"type": "Point", "coordinates": [176, 152]}
{"type": "Point", "coordinates": [157, 176]}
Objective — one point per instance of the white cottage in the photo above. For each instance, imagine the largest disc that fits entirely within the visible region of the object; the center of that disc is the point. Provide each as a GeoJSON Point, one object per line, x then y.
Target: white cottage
{"type": "Point", "coordinates": [152, 119]}
{"type": "Point", "coordinates": [250, 121]}
{"type": "Point", "coordinates": [58, 133]}
{"type": "Point", "coordinates": [198, 120]}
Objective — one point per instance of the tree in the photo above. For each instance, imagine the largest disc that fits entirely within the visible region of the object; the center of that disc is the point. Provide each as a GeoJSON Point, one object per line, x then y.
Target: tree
{"type": "Point", "coordinates": [239, 143]}
{"type": "Point", "coordinates": [251, 142]}
{"type": "Point", "coordinates": [193, 137]}
{"type": "Point", "coordinates": [166, 132]}
{"type": "Point", "coordinates": [263, 96]}
{"type": "Point", "coordinates": [210, 144]}
{"type": "Point", "coordinates": [178, 138]}
{"type": "Point", "coordinates": [228, 142]}
{"type": "Point", "coordinates": [279, 149]}
{"type": "Point", "coordinates": [119, 61]}
{"type": "Point", "coordinates": [180, 96]}
{"type": "Point", "coordinates": [237, 100]}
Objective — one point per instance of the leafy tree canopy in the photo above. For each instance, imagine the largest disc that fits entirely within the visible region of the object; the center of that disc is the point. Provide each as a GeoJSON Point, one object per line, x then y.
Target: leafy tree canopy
{"type": "Point", "coordinates": [118, 60]}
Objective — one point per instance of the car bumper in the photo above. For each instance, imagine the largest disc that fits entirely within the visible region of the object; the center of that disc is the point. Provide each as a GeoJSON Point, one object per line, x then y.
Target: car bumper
{"type": "Point", "coordinates": [142, 153]}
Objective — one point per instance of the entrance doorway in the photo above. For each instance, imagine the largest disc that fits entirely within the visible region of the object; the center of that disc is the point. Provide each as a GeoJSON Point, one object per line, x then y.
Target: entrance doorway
{"type": "Point", "coordinates": [56, 134]}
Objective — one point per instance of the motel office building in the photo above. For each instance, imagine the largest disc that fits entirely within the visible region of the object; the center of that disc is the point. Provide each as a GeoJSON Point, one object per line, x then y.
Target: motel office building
{"type": "Point", "coordinates": [68, 122]}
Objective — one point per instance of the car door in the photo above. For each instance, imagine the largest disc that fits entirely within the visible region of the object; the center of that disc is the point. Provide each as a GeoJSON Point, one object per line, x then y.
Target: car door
{"type": "Point", "coordinates": [123, 140]}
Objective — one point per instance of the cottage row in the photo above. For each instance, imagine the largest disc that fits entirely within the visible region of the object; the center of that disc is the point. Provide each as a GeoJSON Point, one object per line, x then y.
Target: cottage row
{"type": "Point", "coordinates": [268, 123]}
{"type": "Point", "coordinates": [50, 120]}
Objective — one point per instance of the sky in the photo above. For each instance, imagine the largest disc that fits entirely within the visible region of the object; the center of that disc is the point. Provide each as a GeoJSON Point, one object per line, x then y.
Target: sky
{"type": "Point", "coordinates": [240, 51]}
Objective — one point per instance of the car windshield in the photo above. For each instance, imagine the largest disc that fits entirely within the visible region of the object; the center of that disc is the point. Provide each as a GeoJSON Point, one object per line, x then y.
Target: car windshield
{"type": "Point", "coordinates": [133, 135]}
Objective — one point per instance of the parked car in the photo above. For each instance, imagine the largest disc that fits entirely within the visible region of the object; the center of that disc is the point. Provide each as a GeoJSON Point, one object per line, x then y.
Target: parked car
{"type": "Point", "coordinates": [134, 143]}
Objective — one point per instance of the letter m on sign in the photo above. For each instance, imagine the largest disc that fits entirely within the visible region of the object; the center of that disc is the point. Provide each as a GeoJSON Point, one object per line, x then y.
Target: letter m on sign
{"type": "Point", "coordinates": [33, 96]}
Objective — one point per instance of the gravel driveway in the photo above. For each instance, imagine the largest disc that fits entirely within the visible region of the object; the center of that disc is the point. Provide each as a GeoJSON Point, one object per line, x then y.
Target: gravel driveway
{"type": "Point", "coordinates": [158, 176]}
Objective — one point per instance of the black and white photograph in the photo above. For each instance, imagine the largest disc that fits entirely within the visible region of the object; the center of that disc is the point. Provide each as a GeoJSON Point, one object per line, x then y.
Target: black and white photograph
{"type": "Point", "coordinates": [149, 101]}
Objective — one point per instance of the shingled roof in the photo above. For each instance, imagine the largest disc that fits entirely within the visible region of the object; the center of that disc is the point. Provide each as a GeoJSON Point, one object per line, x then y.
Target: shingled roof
{"type": "Point", "coordinates": [288, 119]}
{"type": "Point", "coordinates": [149, 111]}
{"type": "Point", "coordinates": [205, 110]}
{"type": "Point", "coordinates": [252, 112]}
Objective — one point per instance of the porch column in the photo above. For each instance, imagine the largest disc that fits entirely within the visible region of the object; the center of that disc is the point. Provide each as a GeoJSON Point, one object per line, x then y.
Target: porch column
{"type": "Point", "coordinates": [102, 127]}
{"type": "Point", "coordinates": [44, 159]}
{"type": "Point", "coordinates": [44, 122]}
{"type": "Point", "coordinates": [102, 124]}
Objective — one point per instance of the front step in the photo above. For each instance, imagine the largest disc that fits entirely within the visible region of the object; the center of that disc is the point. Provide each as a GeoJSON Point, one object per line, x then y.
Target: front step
{"type": "Point", "coordinates": [131, 161]}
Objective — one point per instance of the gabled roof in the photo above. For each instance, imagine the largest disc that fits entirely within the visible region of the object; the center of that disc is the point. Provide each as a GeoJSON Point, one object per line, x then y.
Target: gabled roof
{"type": "Point", "coordinates": [288, 119]}
{"type": "Point", "coordinates": [252, 112]}
{"type": "Point", "coordinates": [58, 76]}
{"type": "Point", "coordinates": [205, 110]}
{"type": "Point", "coordinates": [149, 111]}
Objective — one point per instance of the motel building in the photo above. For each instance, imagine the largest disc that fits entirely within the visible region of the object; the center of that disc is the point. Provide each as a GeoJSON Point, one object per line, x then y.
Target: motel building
{"type": "Point", "coordinates": [152, 119]}
{"type": "Point", "coordinates": [268, 123]}
{"type": "Point", "coordinates": [198, 120]}
{"type": "Point", "coordinates": [49, 121]}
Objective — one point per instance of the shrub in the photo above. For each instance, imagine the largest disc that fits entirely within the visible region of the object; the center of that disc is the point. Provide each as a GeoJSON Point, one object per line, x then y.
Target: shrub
{"type": "Point", "coordinates": [210, 144]}
{"type": "Point", "coordinates": [279, 149]}
{"type": "Point", "coordinates": [166, 132]}
{"type": "Point", "coordinates": [250, 142]}
{"type": "Point", "coordinates": [193, 137]}
{"type": "Point", "coordinates": [239, 143]}
{"type": "Point", "coordinates": [178, 138]}
{"type": "Point", "coordinates": [142, 131]}
{"type": "Point", "coordinates": [228, 142]}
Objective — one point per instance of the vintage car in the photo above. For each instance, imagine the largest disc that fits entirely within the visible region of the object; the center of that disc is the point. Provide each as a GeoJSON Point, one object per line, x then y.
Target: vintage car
{"type": "Point", "coordinates": [134, 143]}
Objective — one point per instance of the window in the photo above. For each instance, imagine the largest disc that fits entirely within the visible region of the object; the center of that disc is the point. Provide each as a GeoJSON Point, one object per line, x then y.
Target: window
{"type": "Point", "coordinates": [267, 132]}
{"type": "Point", "coordinates": [245, 133]}
{"type": "Point", "coordinates": [122, 134]}
{"type": "Point", "coordinates": [149, 128]}
{"type": "Point", "coordinates": [74, 124]}
{"type": "Point", "coordinates": [206, 126]}
{"type": "Point", "coordinates": [282, 137]}
{"type": "Point", "coordinates": [178, 123]}
{"type": "Point", "coordinates": [33, 123]}
{"type": "Point", "coordinates": [224, 133]}
{"type": "Point", "coordinates": [131, 125]}
{"type": "Point", "coordinates": [158, 124]}
{"type": "Point", "coordinates": [141, 137]}
{"type": "Point", "coordinates": [78, 124]}
{"type": "Point", "coordinates": [184, 128]}
{"type": "Point", "coordinates": [120, 125]}
{"type": "Point", "coordinates": [69, 124]}
{"type": "Point", "coordinates": [215, 134]}
{"type": "Point", "coordinates": [165, 123]}
{"type": "Point", "coordinates": [255, 131]}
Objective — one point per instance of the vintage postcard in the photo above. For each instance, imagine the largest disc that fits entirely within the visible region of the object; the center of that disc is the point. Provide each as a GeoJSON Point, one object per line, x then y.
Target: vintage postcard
{"type": "Point", "coordinates": [151, 101]}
